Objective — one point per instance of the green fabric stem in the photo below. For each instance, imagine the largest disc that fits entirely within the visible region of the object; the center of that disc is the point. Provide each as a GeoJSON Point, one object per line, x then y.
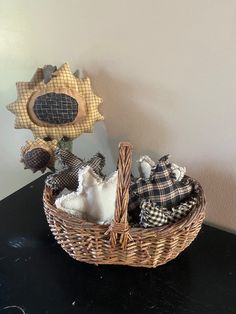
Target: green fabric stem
{"type": "Point", "coordinates": [66, 144]}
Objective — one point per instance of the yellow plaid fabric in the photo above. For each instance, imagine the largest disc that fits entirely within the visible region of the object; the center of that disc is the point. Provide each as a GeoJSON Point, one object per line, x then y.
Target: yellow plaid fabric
{"type": "Point", "coordinates": [38, 145]}
{"type": "Point", "coordinates": [62, 78]}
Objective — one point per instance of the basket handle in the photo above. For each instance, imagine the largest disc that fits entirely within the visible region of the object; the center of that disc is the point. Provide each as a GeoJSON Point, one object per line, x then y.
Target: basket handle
{"type": "Point", "coordinates": [119, 225]}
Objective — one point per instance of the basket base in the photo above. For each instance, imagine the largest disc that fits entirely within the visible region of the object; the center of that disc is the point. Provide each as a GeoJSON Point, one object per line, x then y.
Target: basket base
{"type": "Point", "coordinates": [156, 253]}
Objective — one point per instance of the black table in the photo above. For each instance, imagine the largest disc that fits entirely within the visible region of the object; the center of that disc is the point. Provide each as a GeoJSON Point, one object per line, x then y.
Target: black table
{"type": "Point", "coordinates": [37, 276]}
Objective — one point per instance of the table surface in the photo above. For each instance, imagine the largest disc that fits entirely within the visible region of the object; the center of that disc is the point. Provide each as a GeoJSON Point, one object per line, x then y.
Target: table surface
{"type": "Point", "coordinates": [37, 276]}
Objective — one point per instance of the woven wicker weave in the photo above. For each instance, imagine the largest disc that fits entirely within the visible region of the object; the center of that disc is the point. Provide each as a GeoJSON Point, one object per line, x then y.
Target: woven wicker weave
{"type": "Point", "coordinates": [119, 243]}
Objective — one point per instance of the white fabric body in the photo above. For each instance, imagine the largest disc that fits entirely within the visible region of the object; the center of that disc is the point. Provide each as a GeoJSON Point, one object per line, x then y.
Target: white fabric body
{"type": "Point", "coordinates": [100, 195]}
{"type": "Point", "coordinates": [95, 198]}
{"type": "Point", "coordinates": [65, 191]}
{"type": "Point", "coordinates": [72, 203]}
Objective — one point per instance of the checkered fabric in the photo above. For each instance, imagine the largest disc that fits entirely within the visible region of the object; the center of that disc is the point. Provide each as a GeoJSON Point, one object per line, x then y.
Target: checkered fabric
{"type": "Point", "coordinates": [55, 108]}
{"type": "Point", "coordinates": [152, 215]}
{"type": "Point", "coordinates": [62, 78]}
{"type": "Point", "coordinates": [37, 159]}
{"type": "Point", "coordinates": [38, 154]}
{"type": "Point", "coordinates": [68, 176]}
{"type": "Point", "coordinates": [159, 188]}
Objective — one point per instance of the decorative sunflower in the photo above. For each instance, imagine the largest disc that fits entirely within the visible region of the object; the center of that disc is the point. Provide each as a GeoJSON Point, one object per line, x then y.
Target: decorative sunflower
{"type": "Point", "coordinates": [39, 155]}
{"type": "Point", "coordinates": [58, 106]}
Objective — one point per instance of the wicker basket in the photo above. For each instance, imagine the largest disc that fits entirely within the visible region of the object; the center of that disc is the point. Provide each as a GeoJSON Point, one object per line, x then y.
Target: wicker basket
{"type": "Point", "coordinates": [118, 243]}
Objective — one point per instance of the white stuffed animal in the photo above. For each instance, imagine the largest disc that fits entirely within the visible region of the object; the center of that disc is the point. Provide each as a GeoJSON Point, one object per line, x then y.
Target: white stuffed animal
{"type": "Point", "coordinates": [100, 195]}
{"type": "Point", "coordinates": [95, 198]}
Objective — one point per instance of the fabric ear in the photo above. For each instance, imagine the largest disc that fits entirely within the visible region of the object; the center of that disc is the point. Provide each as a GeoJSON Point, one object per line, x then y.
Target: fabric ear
{"type": "Point", "coordinates": [87, 178]}
{"type": "Point", "coordinates": [161, 172]}
{"type": "Point", "coordinates": [145, 165]}
{"type": "Point", "coordinates": [177, 172]}
{"type": "Point", "coordinates": [67, 177]}
{"type": "Point", "coordinates": [66, 158]}
{"type": "Point", "coordinates": [97, 163]}
{"type": "Point", "coordinates": [101, 200]}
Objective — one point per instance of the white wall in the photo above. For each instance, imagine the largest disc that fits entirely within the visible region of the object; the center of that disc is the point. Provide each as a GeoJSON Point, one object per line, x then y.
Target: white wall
{"type": "Point", "coordinates": [166, 71]}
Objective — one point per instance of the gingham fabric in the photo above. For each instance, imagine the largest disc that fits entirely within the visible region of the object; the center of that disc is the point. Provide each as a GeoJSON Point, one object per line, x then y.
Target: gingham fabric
{"type": "Point", "coordinates": [146, 164]}
{"type": "Point", "coordinates": [56, 108]}
{"type": "Point", "coordinates": [37, 159]}
{"type": "Point", "coordinates": [62, 78]}
{"type": "Point", "coordinates": [152, 215]}
{"type": "Point", "coordinates": [68, 176]}
{"type": "Point", "coordinates": [38, 155]}
{"type": "Point", "coordinates": [159, 188]}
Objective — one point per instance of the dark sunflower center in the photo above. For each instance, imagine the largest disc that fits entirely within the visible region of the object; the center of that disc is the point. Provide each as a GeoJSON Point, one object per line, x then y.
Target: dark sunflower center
{"type": "Point", "coordinates": [37, 158]}
{"type": "Point", "coordinates": [55, 108]}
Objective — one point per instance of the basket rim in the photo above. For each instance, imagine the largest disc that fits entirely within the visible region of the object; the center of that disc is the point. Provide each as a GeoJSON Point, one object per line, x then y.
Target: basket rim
{"type": "Point", "coordinates": [197, 212]}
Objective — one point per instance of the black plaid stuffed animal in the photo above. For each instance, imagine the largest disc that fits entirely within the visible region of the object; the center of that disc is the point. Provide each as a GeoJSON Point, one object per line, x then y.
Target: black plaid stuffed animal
{"type": "Point", "coordinates": [152, 215]}
{"type": "Point", "coordinates": [71, 164]}
{"type": "Point", "coordinates": [160, 187]}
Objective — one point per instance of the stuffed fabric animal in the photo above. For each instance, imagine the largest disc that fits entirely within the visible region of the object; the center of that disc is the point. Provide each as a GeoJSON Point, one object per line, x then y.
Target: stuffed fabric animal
{"type": "Point", "coordinates": [100, 195]}
{"type": "Point", "coordinates": [95, 198]}
{"type": "Point", "coordinates": [146, 164]}
{"type": "Point", "coordinates": [160, 187]}
{"type": "Point", "coordinates": [72, 204]}
{"type": "Point", "coordinates": [152, 215]}
{"type": "Point", "coordinates": [177, 172]}
{"type": "Point", "coordinates": [71, 164]}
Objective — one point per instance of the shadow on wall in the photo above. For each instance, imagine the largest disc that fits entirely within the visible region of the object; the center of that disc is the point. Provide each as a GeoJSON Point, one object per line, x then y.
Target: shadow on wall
{"type": "Point", "coordinates": [220, 190]}
{"type": "Point", "coordinates": [128, 118]}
